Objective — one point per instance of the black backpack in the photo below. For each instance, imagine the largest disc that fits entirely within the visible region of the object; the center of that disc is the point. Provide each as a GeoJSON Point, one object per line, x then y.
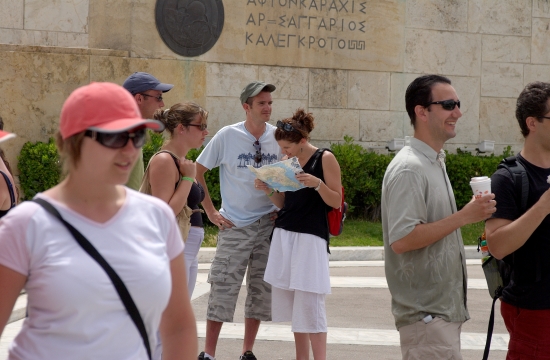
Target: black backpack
{"type": "Point", "coordinates": [499, 272]}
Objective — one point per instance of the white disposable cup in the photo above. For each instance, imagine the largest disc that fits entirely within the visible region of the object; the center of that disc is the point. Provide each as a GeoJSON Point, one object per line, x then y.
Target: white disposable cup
{"type": "Point", "coordinates": [481, 186]}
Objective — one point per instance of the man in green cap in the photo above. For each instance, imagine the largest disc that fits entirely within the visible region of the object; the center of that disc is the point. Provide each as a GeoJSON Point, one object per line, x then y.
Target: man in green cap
{"type": "Point", "coordinates": [244, 219]}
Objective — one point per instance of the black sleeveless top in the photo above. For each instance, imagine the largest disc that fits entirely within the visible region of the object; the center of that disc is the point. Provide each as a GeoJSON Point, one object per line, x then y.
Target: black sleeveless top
{"type": "Point", "coordinates": [12, 194]}
{"type": "Point", "coordinates": [195, 197]}
{"type": "Point", "coordinates": [304, 211]}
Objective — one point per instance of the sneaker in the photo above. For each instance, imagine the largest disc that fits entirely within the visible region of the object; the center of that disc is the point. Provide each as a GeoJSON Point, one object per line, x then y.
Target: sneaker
{"type": "Point", "coordinates": [201, 356]}
{"type": "Point", "coordinates": [248, 355]}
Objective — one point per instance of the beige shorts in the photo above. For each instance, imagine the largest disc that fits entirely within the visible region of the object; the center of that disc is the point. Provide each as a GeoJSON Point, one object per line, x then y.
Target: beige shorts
{"type": "Point", "coordinates": [237, 249]}
{"type": "Point", "coordinates": [437, 339]}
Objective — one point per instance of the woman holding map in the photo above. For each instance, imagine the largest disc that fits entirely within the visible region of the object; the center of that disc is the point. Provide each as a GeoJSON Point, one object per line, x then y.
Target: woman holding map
{"type": "Point", "coordinates": [297, 267]}
{"type": "Point", "coordinates": [171, 177]}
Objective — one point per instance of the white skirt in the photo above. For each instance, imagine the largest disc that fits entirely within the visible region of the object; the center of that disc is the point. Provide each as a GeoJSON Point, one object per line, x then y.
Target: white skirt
{"type": "Point", "coordinates": [298, 262]}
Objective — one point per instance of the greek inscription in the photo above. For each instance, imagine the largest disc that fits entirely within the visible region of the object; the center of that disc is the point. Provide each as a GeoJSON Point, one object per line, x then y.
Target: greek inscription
{"type": "Point", "coordinates": [340, 6]}
{"type": "Point", "coordinates": [292, 40]}
{"type": "Point", "coordinates": [332, 28]}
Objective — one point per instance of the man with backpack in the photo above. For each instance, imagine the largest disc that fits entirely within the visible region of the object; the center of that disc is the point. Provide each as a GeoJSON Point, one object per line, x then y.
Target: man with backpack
{"type": "Point", "coordinates": [520, 235]}
{"type": "Point", "coordinates": [424, 253]}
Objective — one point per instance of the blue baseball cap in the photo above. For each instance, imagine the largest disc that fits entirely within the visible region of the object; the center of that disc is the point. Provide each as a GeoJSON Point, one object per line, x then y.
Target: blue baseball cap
{"type": "Point", "coordinates": [142, 81]}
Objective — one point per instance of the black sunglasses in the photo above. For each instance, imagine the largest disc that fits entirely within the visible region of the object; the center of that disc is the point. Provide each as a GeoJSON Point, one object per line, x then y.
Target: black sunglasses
{"type": "Point", "coordinates": [120, 139]}
{"type": "Point", "coordinates": [258, 147]}
{"type": "Point", "coordinates": [202, 127]}
{"type": "Point", "coordinates": [447, 104]}
{"type": "Point", "coordinates": [285, 126]}
{"type": "Point", "coordinates": [159, 98]}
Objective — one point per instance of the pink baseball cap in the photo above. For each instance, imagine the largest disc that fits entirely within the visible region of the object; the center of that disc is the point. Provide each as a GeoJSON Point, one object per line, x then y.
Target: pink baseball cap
{"type": "Point", "coordinates": [4, 135]}
{"type": "Point", "coordinates": [103, 107]}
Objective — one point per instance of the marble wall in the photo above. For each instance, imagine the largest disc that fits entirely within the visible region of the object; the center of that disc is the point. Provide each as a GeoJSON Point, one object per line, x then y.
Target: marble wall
{"type": "Point", "coordinates": [490, 50]}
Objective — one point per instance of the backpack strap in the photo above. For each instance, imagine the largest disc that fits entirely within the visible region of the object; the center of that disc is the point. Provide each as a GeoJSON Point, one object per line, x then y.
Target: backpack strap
{"type": "Point", "coordinates": [490, 330]}
{"type": "Point", "coordinates": [120, 288]}
{"type": "Point", "coordinates": [519, 176]}
{"type": "Point", "coordinates": [10, 189]}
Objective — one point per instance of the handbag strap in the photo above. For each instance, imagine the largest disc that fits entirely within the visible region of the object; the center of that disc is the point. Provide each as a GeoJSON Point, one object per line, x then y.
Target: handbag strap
{"type": "Point", "coordinates": [10, 189]}
{"type": "Point", "coordinates": [121, 289]}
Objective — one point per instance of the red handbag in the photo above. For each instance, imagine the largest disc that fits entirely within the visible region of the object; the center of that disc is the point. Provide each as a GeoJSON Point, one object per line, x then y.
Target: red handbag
{"type": "Point", "coordinates": [336, 217]}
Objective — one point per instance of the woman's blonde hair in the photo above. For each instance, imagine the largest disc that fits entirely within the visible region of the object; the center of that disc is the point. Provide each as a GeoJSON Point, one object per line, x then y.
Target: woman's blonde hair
{"type": "Point", "coordinates": [69, 149]}
{"type": "Point", "coordinates": [180, 113]}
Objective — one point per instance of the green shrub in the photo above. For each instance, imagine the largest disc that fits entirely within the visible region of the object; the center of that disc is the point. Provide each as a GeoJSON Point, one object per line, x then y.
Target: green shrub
{"type": "Point", "coordinates": [462, 166]}
{"type": "Point", "coordinates": [153, 145]}
{"type": "Point", "coordinates": [363, 172]}
{"type": "Point", "coordinates": [39, 167]}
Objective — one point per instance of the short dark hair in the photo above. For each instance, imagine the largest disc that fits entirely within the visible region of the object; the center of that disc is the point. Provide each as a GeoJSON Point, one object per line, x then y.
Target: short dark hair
{"type": "Point", "coordinates": [532, 101]}
{"type": "Point", "coordinates": [419, 92]}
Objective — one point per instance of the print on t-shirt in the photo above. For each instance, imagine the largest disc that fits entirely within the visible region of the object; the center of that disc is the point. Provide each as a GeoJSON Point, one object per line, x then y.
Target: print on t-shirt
{"type": "Point", "coordinates": [248, 159]}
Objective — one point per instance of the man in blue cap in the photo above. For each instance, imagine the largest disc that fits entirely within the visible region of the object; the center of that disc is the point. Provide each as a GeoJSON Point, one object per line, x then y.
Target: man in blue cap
{"type": "Point", "coordinates": [147, 91]}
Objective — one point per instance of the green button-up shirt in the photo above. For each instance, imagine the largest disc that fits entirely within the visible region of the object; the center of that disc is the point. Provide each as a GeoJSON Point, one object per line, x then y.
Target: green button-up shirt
{"type": "Point", "coordinates": [432, 280]}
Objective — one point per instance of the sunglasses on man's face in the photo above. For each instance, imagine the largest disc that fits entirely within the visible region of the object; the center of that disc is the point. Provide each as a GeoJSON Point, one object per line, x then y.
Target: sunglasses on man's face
{"type": "Point", "coordinates": [158, 98]}
{"type": "Point", "coordinates": [447, 104]}
{"type": "Point", "coordinates": [120, 139]}
{"type": "Point", "coordinates": [258, 147]}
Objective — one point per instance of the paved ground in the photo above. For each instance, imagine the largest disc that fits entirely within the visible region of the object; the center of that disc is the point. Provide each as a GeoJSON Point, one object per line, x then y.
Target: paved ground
{"type": "Point", "coordinates": [360, 322]}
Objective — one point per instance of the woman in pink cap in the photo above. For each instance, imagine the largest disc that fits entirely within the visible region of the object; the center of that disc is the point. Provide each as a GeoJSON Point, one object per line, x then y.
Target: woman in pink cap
{"type": "Point", "coordinates": [8, 192]}
{"type": "Point", "coordinates": [104, 299]}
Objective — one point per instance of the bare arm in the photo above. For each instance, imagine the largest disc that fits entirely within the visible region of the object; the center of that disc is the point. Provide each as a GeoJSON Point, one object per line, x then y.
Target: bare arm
{"type": "Point", "coordinates": [277, 198]}
{"type": "Point", "coordinates": [506, 236]}
{"type": "Point", "coordinates": [178, 329]}
{"type": "Point", "coordinates": [11, 283]}
{"type": "Point", "coordinates": [427, 234]}
{"type": "Point", "coordinates": [331, 189]}
{"type": "Point", "coordinates": [213, 215]}
{"type": "Point", "coordinates": [163, 175]}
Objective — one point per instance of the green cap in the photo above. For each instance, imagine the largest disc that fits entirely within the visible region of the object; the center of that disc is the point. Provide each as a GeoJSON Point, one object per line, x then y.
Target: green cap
{"type": "Point", "coordinates": [254, 88]}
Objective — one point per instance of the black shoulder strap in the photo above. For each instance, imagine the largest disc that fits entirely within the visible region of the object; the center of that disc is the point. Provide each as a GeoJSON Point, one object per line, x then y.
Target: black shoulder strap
{"type": "Point", "coordinates": [519, 175]}
{"type": "Point", "coordinates": [116, 280]}
{"type": "Point", "coordinates": [318, 155]}
{"type": "Point", "coordinates": [490, 330]}
{"type": "Point", "coordinates": [10, 189]}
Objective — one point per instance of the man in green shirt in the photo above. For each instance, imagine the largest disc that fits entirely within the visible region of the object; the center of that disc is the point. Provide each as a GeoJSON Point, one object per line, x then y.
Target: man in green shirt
{"type": "Point", "coordinates": [147, 91]}
{"type": "Point", "coordinates": [424, 253]}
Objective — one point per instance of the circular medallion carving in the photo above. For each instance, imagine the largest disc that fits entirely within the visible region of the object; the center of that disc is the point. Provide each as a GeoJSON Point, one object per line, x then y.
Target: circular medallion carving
{"type": "Point", "coordinates": [189, 27]}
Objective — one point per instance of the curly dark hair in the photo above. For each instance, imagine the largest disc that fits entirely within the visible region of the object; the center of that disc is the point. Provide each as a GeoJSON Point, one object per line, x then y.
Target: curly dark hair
{"type": "Point", "coordinates": [532, 102]}
{"type": "Point", "coordinates": [419, 92]}
{"type": "Point", "coordinates": [301, 122]}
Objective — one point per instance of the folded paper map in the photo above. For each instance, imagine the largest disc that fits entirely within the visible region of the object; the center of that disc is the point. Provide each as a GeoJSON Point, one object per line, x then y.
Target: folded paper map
{"type": "Point", "coordinates": [281, 175]}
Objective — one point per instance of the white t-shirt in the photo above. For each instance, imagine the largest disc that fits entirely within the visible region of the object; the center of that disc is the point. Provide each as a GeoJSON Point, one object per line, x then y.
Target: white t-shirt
{"type": "Point", "coordinates": [74, 311]}
{"type": "Point", "coordinates": [232, 149]}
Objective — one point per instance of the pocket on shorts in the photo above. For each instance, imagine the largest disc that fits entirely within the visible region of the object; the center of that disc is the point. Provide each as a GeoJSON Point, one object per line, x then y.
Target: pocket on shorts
{"type": "Point", "coordinates": [218, 270]}
{"type": "Point", "coordinates": [424, 352]}
{"type": "Point", "coordinates": [521, 349]}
